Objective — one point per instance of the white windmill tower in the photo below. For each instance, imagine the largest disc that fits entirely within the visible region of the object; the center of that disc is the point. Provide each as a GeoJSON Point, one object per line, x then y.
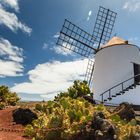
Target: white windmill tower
{"type": "Point", "coordinates": [117, 72]}
{"type": "Point", "coordinates": [116, 62]}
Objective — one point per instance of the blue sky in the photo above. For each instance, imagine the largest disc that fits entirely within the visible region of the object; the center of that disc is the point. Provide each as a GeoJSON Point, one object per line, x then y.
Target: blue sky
{"type": "Point", "coordinates": [31, 63]}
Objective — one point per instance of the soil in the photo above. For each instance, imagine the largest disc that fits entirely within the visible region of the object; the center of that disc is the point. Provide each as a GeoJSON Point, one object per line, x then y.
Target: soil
{"type": "Point", "coordinates": [8, 129]}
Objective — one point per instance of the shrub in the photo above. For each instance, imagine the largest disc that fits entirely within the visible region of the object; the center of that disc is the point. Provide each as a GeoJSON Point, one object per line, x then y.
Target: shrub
{"type": "Point", "coordinates": [2, 106]}
{"type": "Point", "coordinates": [38, 107]}
{"type": "Point", "coordinates": [78, 89]}
{"type": "Point", "coordinates": [8, 97]}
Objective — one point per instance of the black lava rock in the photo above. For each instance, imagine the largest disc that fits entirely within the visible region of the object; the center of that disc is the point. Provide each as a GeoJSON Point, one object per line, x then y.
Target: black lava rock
{"type": "Point", "coordinates": [125, 111]}
{"type": "Point", "coordinates": [23, 116]}
{"type": "Point", "coordinates": [103, 129]}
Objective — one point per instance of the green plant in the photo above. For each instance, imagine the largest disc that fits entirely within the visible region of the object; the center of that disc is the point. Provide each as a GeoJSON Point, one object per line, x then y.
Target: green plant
{"type": "Point", "coordinates": [79, 89]}
{"type": "Point", "coordinates": [8, 97]}
{"type": "Point", "coordinates": [38, 107]}
{"type": "Point", "coordinates": [29, 131]}
{"type": "Point", "coordinates": [70, 115]}
{"type": "Point", "coordinates": [2, 106]}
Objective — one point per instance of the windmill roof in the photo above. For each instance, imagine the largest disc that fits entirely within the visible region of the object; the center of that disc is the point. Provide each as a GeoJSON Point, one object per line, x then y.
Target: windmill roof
{"type": "Point", "coordinates": [115, 41]}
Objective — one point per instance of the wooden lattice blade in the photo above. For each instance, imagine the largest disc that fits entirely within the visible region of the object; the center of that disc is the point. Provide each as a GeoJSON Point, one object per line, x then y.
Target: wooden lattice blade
{"type": "Point", "coordinates": [104, 25]}
{"type": "Point", "coordinates": [89, 71]}
{"type": "Point", "coordinates": [77, 40]}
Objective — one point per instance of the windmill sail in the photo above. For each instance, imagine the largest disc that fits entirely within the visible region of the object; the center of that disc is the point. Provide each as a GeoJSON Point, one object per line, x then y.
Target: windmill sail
{"type": "Point", "coordinates": [102, 31]}
{"type": "Point", "coordinates": [75, 39]}
{"type": "Point", "coordinates": [89, 71]}
{"type": "Point", "coordinates": [103, 26]}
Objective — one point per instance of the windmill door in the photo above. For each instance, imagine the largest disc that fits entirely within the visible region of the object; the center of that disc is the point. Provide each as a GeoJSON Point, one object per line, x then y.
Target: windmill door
{"type": "Point", "coordinates": [137, 72]}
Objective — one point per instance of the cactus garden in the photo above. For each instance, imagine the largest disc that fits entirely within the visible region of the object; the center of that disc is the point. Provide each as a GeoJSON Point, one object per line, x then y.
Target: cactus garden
{"type": "Point", "coordinates": [70, 117]}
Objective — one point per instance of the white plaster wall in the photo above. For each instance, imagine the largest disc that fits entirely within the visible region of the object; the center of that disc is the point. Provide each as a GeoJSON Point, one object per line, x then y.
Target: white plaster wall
{"type": "Point", "coordinates": [112, 66]}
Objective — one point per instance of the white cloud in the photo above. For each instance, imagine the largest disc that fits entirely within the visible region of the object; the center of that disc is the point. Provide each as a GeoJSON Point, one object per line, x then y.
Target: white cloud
{"type": "Point", "coordinates": [89, 15]}
{"type": "Point", "coordinates": [132, 5]}
{"type": "Point", "coordinates": [58, 49]}
{"type": "Point", "coordinates": [50, 78]}
{"type": "Point", "coordinates": [56, 35]}
{"type": "Point", "coordinates": [10, 68]}
{"type": "Point", "coordinates": [45, 46]}
{"type": "Point", "coordinates": [11, 21]}
{"type": "Point", "coordinates": [9, 51]}
{"type": "Point", "coordinates": [11, 3]}
{"type": "Point", "coordinates": [61, 50]}
{"type": "Point", "coordinates": [11, 58]}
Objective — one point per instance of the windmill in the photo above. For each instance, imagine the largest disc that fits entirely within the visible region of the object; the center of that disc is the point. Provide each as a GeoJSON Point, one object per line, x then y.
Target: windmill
{"type": "Point", "coordinates": [75, 39]}
{"type": "Point", "coordinates": [116, 69]}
